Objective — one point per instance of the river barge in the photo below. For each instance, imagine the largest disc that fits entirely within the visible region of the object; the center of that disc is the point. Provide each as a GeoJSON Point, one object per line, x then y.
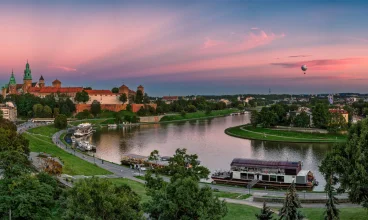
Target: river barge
{"type": "Point", "coordinates": [83, 130]}
{"type": "Point", "coordinates": [269, 174]}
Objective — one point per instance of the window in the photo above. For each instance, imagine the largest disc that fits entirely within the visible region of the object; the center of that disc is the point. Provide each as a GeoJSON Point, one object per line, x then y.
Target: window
{"type": "Point", "coordinates": [280, 179]}
{"type": "Point", "coordinates": [243, 176]}
{"type": "Point", "coordinates": [265, 177]}
{"type": "Point", "coordinates": [250, 176]}
{"type": "Point", "coordinates": [273, 178]}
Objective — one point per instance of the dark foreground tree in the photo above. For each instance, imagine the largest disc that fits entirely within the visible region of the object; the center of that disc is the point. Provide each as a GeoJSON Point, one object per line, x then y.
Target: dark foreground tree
{"type": "Point", "coordinates": [302, 120]}
{"type": "Point", "coordinates": [184, 199]}
{"type": "Point", "coordinates": [331, 213]}
{"type": "Point", "coordinates": [289, 210]}
{"type": "Point", "coordinates": [61, 121]}
{"type": "Point", "coordinates": [95, 108]}
{"type": "Point", "coordinates": [348, 162]}
{"type": "Point", "coordinates": [81, 96]}
{"type": "Point", "coordinates": [96, 198]}
{"type": "Point", "coordinates": [14, 163]}
{"type": "Point", "coordinates": [266, 213]}
{"type": "Point", "coordinates": [123, 98]}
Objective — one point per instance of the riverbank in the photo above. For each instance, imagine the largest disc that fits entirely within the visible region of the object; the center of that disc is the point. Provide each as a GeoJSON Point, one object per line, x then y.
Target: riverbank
{"type": "Point", "coordinates": [268, 134]}
{"type": "Point", "coordinates": [199, 115]}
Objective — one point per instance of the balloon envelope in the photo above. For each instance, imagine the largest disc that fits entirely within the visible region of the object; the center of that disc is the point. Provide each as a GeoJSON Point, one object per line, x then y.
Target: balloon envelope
{"type": "Point", "coordinates": [304, 67]}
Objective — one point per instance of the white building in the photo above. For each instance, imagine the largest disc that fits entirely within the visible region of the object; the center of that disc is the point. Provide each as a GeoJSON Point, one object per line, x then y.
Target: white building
{"type": "Point", "coordinates": [9, 111]}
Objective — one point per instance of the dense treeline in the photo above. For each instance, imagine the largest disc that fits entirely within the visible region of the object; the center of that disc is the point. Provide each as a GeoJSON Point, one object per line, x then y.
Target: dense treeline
{"type": "Point", "coordinates": [29, 105]}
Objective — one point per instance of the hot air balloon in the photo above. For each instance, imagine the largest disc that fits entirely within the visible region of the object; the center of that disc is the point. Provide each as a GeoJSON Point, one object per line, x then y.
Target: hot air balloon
{"type": "Point", "coordinates": [304, 68]}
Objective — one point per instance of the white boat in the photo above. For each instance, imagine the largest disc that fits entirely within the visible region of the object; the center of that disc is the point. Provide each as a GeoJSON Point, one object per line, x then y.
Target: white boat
{"type": "Point", "coordinates": [83, 129]}
{"type": "Point", "coordinates": [112, 125]}
{"type": "Point", "coordinates": [85, 146]}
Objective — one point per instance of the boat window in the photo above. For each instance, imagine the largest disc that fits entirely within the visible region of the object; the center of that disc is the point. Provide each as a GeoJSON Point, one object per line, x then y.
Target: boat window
{"type": "Point", "coordinates": [273, 178]}
{"type": "Point", "coordinates": [290, 172]}
{"type": "Point", "coordinates": [265, 177]}
{"type": "Point", "coordinates": [280, 179]}
{"type": "Point", "coordinates": [243, 176]}
{"type": "Point", "coordinates": [250, 176]}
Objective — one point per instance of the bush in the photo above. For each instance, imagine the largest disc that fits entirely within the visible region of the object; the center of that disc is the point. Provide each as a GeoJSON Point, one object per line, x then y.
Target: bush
{"type": "Point", "coordinates": [61, 121]}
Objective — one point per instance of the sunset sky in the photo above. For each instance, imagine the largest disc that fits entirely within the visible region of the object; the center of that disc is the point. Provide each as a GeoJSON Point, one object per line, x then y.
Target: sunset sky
{"type": "Point", "coordinates": [189, 47]}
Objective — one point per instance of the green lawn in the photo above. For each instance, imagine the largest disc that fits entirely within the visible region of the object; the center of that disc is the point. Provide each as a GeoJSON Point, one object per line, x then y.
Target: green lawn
{"type": "Point", "coordinates": [72, 164]}
{"type": "Point", "coordinates": [197, 115]}
{"type": "Point", "coordinates": [345, 213]}
{"type": "Point", "coordinates": [136, 187]}
{"type": "Point", "coordinates": [268, 134]}
{"type": "Point", "coordinates": [47, 130]}
{"type": "Point", "coordinates": [240, 212]}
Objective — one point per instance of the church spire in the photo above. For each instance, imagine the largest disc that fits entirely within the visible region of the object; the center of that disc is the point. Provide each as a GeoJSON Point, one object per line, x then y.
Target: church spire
{"type": "Point", "coordinates": [27, 72]}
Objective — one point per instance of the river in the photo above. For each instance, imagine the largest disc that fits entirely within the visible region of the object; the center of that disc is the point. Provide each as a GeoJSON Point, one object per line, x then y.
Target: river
{"type": "Point", "coordinates": [207, 139]}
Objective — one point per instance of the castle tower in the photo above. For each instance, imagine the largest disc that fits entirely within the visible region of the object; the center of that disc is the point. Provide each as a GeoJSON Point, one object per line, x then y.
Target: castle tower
{"type": "Point", "coordinates": [124, 89]}
{"type": "Point", "coordinates": [41, 82]}
{"type": "Point", "coordinates": [27, 78]}
{"type": "Point", "coordinates": [12, 84]}
{"type": "Point", "coordinates": [140, 87]}
{"type": "Point", "coordinates": [56, 83]}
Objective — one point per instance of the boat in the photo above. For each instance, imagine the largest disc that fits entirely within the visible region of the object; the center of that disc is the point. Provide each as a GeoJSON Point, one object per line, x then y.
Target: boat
{"type": "Point", "coordinates": [83, 129]}
{"type": "Point", "coordinates": [85, 146]}
{"type": "Point", "coordinates": [112, 125]}
{"type": "Point", "coordinates": [270, 174]}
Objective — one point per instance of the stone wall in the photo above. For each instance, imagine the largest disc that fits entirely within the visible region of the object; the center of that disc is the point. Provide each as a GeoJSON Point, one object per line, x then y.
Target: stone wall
{"type": "Point", "coordinates": [150, 119]}
{"type": "Point", "coordinates": [136, 107]}
{"type": "Point", "coordinates": [105, 99]}
{"type": "Point", "coordinates": [112, 107]}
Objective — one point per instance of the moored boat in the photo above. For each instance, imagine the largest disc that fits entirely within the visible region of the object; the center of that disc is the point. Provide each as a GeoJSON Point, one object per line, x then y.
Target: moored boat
{"type": "Point", "coordinates": [83, 129]}
{"type": "Point", "coordinates": [270, 174]}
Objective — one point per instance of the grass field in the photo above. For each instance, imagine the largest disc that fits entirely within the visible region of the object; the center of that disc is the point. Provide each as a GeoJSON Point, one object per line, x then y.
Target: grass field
{"type": "Point", "coordinates": [267, 134]}
{"type": "Point", "coordinates": [72, 164]}
{"type": "Point", "coordinates": [197, 115]}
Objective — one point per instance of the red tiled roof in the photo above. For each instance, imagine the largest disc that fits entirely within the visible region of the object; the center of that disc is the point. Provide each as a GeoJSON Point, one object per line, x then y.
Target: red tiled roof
{"type": "Point", "coordinates": [170, 98]}
{"type": "Point", "coordinates": [50, 89]}
{"type": "Point", "coordinates": [99, 92]}
{"type": "Point", "coordinates": [341, 111]}
{"type": "Point", "coordinates": [132, 91]}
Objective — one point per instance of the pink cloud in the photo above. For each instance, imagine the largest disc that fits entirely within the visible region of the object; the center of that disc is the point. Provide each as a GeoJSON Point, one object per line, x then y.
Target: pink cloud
{"type": "Point", "coordinates": [254, 28]}
{"type": "Point", "coordinates": [67, 69]}
{"type": "Point", "coordinates": [247, 42]}
{"type": "Point", "coordinates": [325, 64]}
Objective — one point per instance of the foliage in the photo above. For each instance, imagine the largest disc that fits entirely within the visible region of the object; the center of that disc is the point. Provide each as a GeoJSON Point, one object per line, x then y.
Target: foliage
{"type": "Point", "coordinates": [81, 96]}
{"type": "Point", "coordinates": [252, 103]}
{"type": "Point", "coordinates": [320, 115]}
{"type": "Point", "coordinates": [183, 113]}
{"type": "Point", "coordinates": [123, 98]}
{"type": "Point", "coordinates": [254, 118]}
{"type": "Point", "coordinates": [182, 197]}
{"type": "Point", "coordinates": [51, 166]}
{"type": "Point", "coordinates": [267, 117]}
{"type": "Point", "coordinates": [336, 122]}
{"type": "Point", "coordinates": [240, 106]}
{"type": "Point", "coordinates": [266, 213]}
{"type": "Point", "coordinates": [87, 88]}
{"type": "Point", "coordinates": [96, 198]}
{"type": "Point", "coordinates": [37, 110]}
{"type": "Point", "coordinates": [11, 141]}
{"type": "Point", "coordinates": [117, 118]}
{"type": "Point", "coordinates": [14, 163]}
{"type": "Point", "coordinates": [85, 114]}
{"type": "Point", "coordinates": [154, 156]}
{"type": "Point", "coordinates": [61, 121]}
{"type": "Point", "coordinates": [208, 110]}
{"type": "Point", "coordinates": [146, 99]}
{"type": "Point", "coordinates": [95, 108]}
{"type": "Point", "coordinates": [131, 118]}
{"type": "Point", "coordinates": [129, 108]}
{"type": "Point", "coordinates": [289, 210]}
{"type": "Point", "coordinates": [115, 90]}
{"type": "Point", "coordinates": [191, 108]}
{"type": "Point", "coordinates": [302, 120]}
{"type": "Point", "coordinates": [27, 198]}
{"type": "Point", "coordinates": [331, 213]}
{"type": "Point", "coordinates": [138, 97]}
{"type": "Point", "coordinates": [56, 112]}
{"type": "Point", "coordinates": [348, 163]}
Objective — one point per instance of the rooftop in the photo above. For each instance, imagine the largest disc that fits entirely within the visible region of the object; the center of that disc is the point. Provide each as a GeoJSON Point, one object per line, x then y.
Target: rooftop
{"type": "Point", "coordinates": [242, 162]}
{"type": "Point", "coordinates": [99, 92]}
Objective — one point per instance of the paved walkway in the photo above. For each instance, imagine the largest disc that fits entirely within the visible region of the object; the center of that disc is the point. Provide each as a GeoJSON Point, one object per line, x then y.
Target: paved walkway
{"type": "Point", "coordinates": [119, 171]}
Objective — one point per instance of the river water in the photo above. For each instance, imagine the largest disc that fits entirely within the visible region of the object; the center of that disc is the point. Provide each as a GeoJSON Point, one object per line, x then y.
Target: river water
{"type": "Point", "coordinates": [207, 139]}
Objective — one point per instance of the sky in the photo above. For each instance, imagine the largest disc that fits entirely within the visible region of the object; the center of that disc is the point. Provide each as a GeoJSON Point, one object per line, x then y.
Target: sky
{"type": "Point", "coordinates": [189, 47]}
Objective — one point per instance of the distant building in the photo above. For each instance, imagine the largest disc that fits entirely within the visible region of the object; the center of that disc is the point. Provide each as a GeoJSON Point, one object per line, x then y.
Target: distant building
{"type": "Point", "coordinates": [9, 111]}
{"type": "Point", "coordinates": [170, 99]}
{"type": "Point", "coordinates": [343, 112]}
{"type": "Point", "coordinates": [227, 102]}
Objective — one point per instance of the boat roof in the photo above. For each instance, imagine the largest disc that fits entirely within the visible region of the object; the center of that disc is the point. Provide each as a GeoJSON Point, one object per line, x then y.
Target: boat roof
{"type": "Point", "coordinates": [243, 162]}
{"type": "Point", "coordinates": [303, 173]}
{"type": "Point", "coordinates": [135, 156]}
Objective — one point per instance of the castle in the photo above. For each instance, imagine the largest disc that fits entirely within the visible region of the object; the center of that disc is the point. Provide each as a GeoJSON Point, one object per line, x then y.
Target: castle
{"type": "Point", "coordinates": [107, 99]}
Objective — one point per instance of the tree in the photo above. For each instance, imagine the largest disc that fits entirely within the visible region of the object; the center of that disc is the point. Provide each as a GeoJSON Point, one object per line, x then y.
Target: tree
{"type": "Point", "coordinates": [82, 96]}
{"type": "Point", "coordinates": [47, 112]}
{"type": "Point", "coordinates": [336, 122]}
{"type": "Point", "coordinates": [254, 118]}
{"type": "Point", "coordinates": [191, 108]}
{"type": "Point", "coordinates": [87, 88]}
{"type": "Point", "coordinates": [61, 121]}
{"type": "Point", "coordinates": [123, 98]}
{"type": "Point", "coordinates": [208, 110]}
{"type": "Point", "coordinates": [117, 118]}
{"type": "Point", "coordinates": [115, 90]}
{"type": "Point", "coordinates": [302, 120]}
{"type": "Point", "coordinates": [154, 156]}
{"type": "Point", "coordinates": [56, 112]}
{"type": "Point", "coordinates": [14, 163]}
{"type": "Point", "coordinates": [38, 110]}
{"type": "Point", "coordinates": [146, 99]}
{"type": "Point", "coordinates": [241, 106]}
{"type": "Point", "coordinates": [184, 199]}
{"type": "Point", "coordinates": [101, 200]}
{"type": "Point", "coordinates": [129, 108]}
{"type": "Point", "coordinates": [95, 108]}
{"type": "Point", "coordinates": [26, 197]}
{"type": "Point", "coordinates": [183, 113]}
{"type": "Point", "coordinates": [348, 164]}
{"type": "Point", "coordinates": [139, 97]}
{"type": "Point", "coordinates": [320, 115]}
{"type": "Point", "coordinates": [331, 213]}
{"type": "Point", "coordinates": [266, 213]}
{"type": "Point", "coordinates": [1, 113]}
{"type": "Point", "coordinates": [267, 118]}
{"type": "Point", "coordinates": [221, 105]}
{"type": "Point", "coordinates": [289, 210]}
{"type": "Point", "coordinates": [252, 103]}
{"type": "Point", "coordinates": [11, 141]}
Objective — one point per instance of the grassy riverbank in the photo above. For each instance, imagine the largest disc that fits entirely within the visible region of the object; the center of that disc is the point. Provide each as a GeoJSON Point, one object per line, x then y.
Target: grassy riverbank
{"type": "Point", "coordinates": [267, 134]}
{"type": "Point", "coordinates": [41, 141]}
{"type": "Point", "coordinates": [197, 115]}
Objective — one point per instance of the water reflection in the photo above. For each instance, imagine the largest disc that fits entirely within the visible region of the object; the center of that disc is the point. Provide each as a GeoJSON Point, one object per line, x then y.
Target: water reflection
{"type": "Point", "coordinates": [207, 139]}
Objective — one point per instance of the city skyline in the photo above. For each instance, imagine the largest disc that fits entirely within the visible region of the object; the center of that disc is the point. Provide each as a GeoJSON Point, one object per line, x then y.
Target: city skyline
{"type": "Point", "coordinates": [192, 47]}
